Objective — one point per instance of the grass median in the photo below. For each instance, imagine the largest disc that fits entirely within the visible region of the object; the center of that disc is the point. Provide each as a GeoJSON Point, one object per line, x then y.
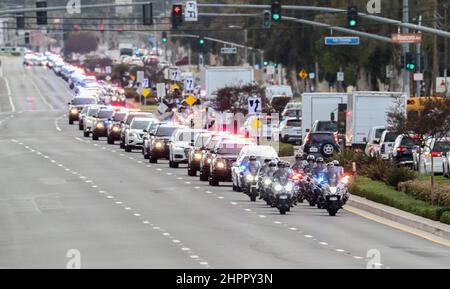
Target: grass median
{"type": "Point", "coordinates": [381, 193]}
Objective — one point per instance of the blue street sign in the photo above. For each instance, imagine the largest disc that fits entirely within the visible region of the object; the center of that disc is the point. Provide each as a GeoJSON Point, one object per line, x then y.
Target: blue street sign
{"type": "Point", "coordinates": [331, 40]}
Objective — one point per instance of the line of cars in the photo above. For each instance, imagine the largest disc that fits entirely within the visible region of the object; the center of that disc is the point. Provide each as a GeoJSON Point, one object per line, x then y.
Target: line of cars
{"type": "Point", "coordinates": [215, 156]}
{"type": "Point", "coordinates": [405, 150]}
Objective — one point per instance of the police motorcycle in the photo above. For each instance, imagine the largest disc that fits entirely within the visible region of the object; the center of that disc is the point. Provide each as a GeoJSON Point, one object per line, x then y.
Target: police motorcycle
{"type": "Point", "coordinates": [334, 194]}
{"type": "Point", "coordinates": [250, 179]}
{"type": "Point", "coordinates": [265, 184]}
{"type": "Point", "coordinates": [283, 190]}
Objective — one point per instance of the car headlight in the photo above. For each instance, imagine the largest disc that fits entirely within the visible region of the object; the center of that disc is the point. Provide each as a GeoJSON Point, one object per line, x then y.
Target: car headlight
{"type": "Point", "coordinates": [74, 111]}
{"type": "Point", "coordinates": [278, 187]}
{"type": "Point", "coordinates": [197, 156]}
{"type": "Point", "coordinates": [220, 165]}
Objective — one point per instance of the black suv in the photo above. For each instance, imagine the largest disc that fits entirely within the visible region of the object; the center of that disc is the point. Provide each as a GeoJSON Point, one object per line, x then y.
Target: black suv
{"type": "Point", "coordinates": [76, 105]}
{"type": "Point", "coordinates": [159, 142]}
{"type": "Point", "coordinates": [224, 155]}
{"type": "Point", "coordinates": [321, 144]}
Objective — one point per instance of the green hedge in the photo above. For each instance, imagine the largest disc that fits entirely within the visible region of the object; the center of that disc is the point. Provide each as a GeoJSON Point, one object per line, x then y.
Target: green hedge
{"type": "Point", "coordinates": [381, 193]}
{"type": "Point", "coordinates": [445, 218]}
{"type": "Point", "coordinates": [286, 150]}
{"type": "Point", "coordinates": [421, 190]}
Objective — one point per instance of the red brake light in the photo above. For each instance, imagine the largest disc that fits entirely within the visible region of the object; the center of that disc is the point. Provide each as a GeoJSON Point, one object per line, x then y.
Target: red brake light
{"type": "Point", "coordinates": [436, 154]}
{"type": "Point", "coordinates": [402, 149]}
{"type": "Point", "coordinates": [383, 147]}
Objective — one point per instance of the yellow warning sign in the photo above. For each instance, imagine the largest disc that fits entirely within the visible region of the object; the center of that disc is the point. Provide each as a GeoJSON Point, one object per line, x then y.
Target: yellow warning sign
{"type": "Point", "coordinates": [146, 92]}
{"type": "Point", "coordinates": [303, 74]}
{"type": "Point", "coordinates": [191, 100]}
{"type": "Point", "coordinates": [256, 123]}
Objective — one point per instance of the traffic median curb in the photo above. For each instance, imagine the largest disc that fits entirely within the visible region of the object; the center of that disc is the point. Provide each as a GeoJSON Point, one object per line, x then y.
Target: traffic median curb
{"type": "Point", "coordinates": [433, 227]}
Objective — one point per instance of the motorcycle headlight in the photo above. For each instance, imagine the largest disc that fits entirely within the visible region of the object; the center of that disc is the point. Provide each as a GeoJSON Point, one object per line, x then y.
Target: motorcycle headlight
{"type": "Point", "coordinates": [100, 125]}
{"type": "Point", "coordinates": [208, 160]}
{"type": "Point", "coordinates": [115, 129]}
{"type": "Point", "coordinates": [289, 187]}
{"type": "Point", "coordinates": [267, 182]}
{"type": "Point", "coordinates": [159, 145]}
{"type": "Point", "coordinates": [278, 187]}
{"type": "Point", "coordinates": [333, 190]}
{"type": "Point", "coordinates": [197, 156]}
{"type": "Point", "coordinates": [74, 111]}
{"type": "Point", "coordinates": [249, 178]}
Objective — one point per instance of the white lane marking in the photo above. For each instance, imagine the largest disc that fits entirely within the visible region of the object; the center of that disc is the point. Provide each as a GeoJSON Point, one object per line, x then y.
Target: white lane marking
{"type": "Point", "coordinates": [233, 203]}
{"type": "Point", "coordinates": [194, 256]}
{"type": "Point", "coordinates": [340, 250]}
{"type": "Point", "coordinates": [220, 198]}
{"type": "Point", "coordinates": [8, 88]}
{"type": "Point", "coordinates": [262, 216]}
{"type": "Point", "coordinates": [185, 249]}
{"type": "Point", "coordinates": [176, 241]}
{"type": "Point", "coordinates": [308, 236]}
{"type": "Point", "coordinates": [358, 257]}
{"type": "Point", "coordinates": [137, 215]}
{"type": "Point", "coordinates": [293, 229]}
{"type": "Point", "coordinates": [323, 243]}
{"type": "Point", "coordinates": [247, 210]}
{"type": "Point", "coordinates": [40, 94]}
{"type": "Point", "coordinates": [58, 128]}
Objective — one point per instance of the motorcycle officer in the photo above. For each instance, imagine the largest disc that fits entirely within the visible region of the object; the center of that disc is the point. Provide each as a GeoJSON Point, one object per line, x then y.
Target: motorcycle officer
{"type": "Point", "coordinates": [283, 173]}
{"type": "Point", "coordinates": [253, 165]}
{"type": "Point", "coordinates": [300, 163]}
{"type": "Point", "coordinates": [309, 168]}
{"type": "Point", "coordinates": [335, 172]}
{"type": "Point", "coordinates": [321, 168]}
{"type": "Point", "coordinates": [266, 167]}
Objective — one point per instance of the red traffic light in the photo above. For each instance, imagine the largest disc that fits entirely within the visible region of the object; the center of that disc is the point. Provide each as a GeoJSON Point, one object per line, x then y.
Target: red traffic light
{"type": "Point", "coordinates": [102, 28]}
{"type": "Point", "coordinates": [177, 9]}
{"type": "Point", "coordinates": [120, 29]}
{"type": "Point", "coordinates": [75, 26]}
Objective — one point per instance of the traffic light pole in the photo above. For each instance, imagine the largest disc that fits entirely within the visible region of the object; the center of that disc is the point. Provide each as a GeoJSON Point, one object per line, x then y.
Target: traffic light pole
{"type": "Point", "coordinates": [394, 22]}
{"type": "Point", "coordinates": [406, 49]}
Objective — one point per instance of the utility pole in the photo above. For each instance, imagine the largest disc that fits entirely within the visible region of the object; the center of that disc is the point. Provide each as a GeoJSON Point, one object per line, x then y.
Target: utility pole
{"type": "Point", "coordinates": [435, 73]}
{"type": "Point", "coordinates": [446, 50]}
{"type": "Point", "coordinates": [419, 59]}
{"type": "Point", "coordinates": [406, 49]}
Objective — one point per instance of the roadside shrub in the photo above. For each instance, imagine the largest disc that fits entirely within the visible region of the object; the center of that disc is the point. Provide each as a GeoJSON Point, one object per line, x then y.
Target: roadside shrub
{"type": "Point", "coordinates": [377, 169]}
{"type": "Point", "coordinates": [347, 156]}
{"type": "Point", "coordinates": [286, 150]}
{"type": "Point", "coordinates": [381, 193]}
{"type": "Point", "coordinates": [395, 175]}
{"type": "Point", "coordinates": [445, 218]}
{"type": "Point", "coordinates": [421, 190]}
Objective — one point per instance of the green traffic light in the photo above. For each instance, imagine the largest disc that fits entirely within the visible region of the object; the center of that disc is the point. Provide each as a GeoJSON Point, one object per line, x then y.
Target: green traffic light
{"type": "Point", "coordinates": [352, 23]}
{"type": "Point", "coordinates": [266, 63]}
{"type": "Point", "coordinates": [201, 41]}
{"type": "Point", "coordinates": [164, 40]}
{"type": "Point", "coordinates": [276, 17]}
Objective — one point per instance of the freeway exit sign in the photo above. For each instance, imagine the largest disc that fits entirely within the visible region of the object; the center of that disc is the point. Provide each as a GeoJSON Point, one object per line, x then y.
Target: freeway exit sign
{"type": "Point", "coordinates": [331, 40]}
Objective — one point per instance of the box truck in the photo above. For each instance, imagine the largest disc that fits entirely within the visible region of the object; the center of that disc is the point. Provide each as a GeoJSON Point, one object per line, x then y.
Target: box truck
{"type": "Point", "coordinates": [367, 109]}
{"type": "Point", "coordinates": [213, 78]}
{"type": "Point", "coordinates": [319, 106]}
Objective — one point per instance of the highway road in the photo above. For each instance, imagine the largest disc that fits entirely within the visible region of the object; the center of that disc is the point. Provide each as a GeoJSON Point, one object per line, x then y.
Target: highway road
{"type": "Point", "coordinates": [60, 191]}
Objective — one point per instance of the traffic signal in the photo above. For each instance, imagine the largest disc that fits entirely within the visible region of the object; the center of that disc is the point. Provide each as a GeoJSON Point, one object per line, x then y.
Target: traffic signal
{"type": "Point", "coordinates": [147, 14]}
{"type": "Point", "coordinates": [267, 19]}
{"type": "Point", "coordinates": [177, 15]}
{"type": "Point", "coordinates": [275, 10]}
{"type": "Point", "coordinates": [352, 16]}
{"type": "Point", "coordinates": [164, 38]}
{"type": "Point", "coordinates": [410, 61]}
{"type": "Point", "coordinates": [201, 40]}
{"type": "Point", "coordinates": [27, 38]}
{"type": "Point", "coordinates": [41, 16]}
{"type": "Point", "coordinates": [20, 21]}
{"type": "Point", "coordinates": [266, 63]}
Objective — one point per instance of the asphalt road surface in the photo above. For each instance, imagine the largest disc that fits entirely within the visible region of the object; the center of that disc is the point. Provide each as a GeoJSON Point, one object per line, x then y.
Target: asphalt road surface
{"type": "Point", "coordinates": [60, 192]}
